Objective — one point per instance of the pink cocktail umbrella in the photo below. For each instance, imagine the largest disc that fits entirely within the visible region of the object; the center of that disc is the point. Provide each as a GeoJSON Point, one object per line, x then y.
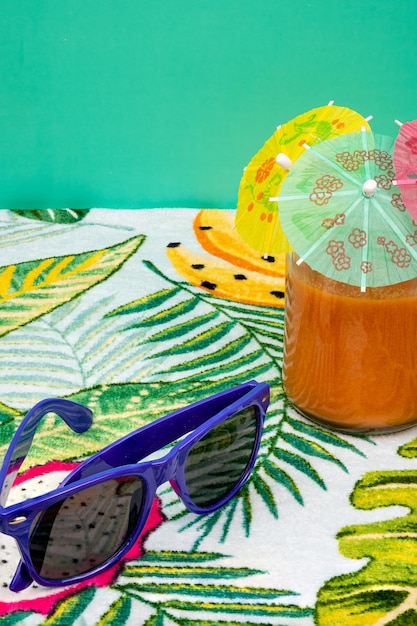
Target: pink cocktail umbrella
{"type": "Point", "coordinates": [405, 164]}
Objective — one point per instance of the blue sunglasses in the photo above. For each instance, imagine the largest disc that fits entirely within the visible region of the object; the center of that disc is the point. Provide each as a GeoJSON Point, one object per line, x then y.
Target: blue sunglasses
{"type": "Point", "coordinates": [99, 510]}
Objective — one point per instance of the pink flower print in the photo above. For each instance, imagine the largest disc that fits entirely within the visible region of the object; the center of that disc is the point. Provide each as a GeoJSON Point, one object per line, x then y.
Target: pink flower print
{"type": "Point", "coordinates": [412, 145]}
{"type": "Point", "coordinates": [342, 262]}
{"type": "Point", "coordinates": [43, 599]}
{"type": "Point", "coordinates": [335, 248]}
{"type": "Point", "coordinates": [401, 257]}
{"type": "Point", "coordinates": [357, 238]}
{"type": "Point", "coordinates": [366, 267]}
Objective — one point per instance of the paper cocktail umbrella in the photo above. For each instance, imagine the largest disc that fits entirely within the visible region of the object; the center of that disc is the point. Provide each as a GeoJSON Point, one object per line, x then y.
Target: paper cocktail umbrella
{"type": "Point", "coordinates": [257, 218]}
{"type": "Point", "coordinates": [405, 164]}
{"type": "Point", "coordinates": [343, 215]}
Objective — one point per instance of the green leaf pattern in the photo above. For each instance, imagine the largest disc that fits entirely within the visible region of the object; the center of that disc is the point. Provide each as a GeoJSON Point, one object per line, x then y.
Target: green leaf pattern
{"type": "Point", "coordinates": [133, 357]}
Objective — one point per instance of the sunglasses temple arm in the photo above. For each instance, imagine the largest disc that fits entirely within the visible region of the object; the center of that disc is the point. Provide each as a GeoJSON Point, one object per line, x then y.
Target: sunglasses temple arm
{"type": "Point", "coordinates": [79, 418]}
{"type": "Point", "coordinates": [150, 438]}
{"type": "Point", "coordinates": [21, 578]}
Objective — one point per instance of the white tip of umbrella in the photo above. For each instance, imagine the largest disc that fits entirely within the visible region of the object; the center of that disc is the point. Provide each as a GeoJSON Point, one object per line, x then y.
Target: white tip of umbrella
{"type": "Point", "coordinates": [369, 187]}
{"type": "Point", "coordinates": [398, 122]}
{"type": "Point", "coordinates": [331, 103]}
{"type": "Point", "coordinates": [284, 161]}
{"type": "Point", "coordinates": [369, 118]}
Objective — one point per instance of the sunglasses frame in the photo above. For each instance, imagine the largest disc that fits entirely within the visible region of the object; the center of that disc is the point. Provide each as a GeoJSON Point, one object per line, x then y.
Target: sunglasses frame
{"type": "Point", "coordinates": [120, 459]}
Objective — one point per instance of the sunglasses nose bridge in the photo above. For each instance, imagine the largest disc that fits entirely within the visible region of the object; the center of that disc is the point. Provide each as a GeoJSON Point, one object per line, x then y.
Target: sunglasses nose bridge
{"type": "Point", "coordinates": [165, 469]}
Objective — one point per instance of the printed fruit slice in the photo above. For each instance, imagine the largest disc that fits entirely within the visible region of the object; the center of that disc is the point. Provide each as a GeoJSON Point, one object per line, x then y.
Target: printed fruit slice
{"type": "Point", "coordinates": [226, 280]}
{"type": "Point", "coordinates": [215, 232]}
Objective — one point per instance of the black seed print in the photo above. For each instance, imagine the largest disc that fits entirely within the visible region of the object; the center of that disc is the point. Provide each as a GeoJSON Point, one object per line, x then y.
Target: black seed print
{"type": "Point", "coordinates": [174, 244]}
{"type": "Point", "coordinates": [268, 258]}
{"type": "Point", "coordinates": [198, 266]}
{"type": "Point", "coordinates": [240, 277]}
{"type": "Point", "coordinates": [277, 294]}
{"type": "Point", "coordinates": [205, 227]}
{"type": "Point", "coordinates": [208, 285]}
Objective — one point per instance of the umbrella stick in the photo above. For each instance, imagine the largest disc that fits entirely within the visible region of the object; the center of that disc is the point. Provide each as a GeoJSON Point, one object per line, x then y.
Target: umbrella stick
{"type": "Point", "coordinates": [365, 247]}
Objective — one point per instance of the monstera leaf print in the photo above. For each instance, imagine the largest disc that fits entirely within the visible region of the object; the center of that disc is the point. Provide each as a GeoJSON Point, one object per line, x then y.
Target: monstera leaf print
{"type": "Point", "coordinates": [33, 288]}
{"type": "Point", "coordinates": [384, 591]}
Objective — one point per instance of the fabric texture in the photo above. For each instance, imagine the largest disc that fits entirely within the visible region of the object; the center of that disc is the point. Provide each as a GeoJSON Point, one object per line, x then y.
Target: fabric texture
{"type": "Point", "coordinates": [135, 314]}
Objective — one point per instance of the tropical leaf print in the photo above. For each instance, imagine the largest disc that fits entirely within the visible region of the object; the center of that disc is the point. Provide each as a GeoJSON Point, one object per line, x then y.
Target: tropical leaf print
{"type": "Point", "coordinates": [384, 591]}
{"type": "Point", "coordinates": [211, 335]}
{"type": "Point", "coordinates": [72, 348]}
{"type": "Point", "coordinates": [182, 588]}
{"type": "Point", "coordinates": [31, 289]}
{"type": "Point", "coordinates": [195, 336]}
{"type": "Point", "coordinates": [289, 447]}
{"type": "Point", "coordinates": [117, 409]}
{"type": "Point", "coordinates": [58, 216]}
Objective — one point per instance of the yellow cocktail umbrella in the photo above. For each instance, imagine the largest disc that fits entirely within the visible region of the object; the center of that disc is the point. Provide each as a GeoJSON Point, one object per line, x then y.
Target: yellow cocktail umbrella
{"type": "Point", "coordinates": [257, 218]}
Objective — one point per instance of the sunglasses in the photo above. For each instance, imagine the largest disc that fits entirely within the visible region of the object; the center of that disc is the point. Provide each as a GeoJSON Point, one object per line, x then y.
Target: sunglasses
{"type": "Point", "coordinates": [97, 513]}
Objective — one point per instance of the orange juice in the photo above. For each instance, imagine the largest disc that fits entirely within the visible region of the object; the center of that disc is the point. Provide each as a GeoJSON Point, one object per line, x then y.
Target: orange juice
{"type": "Point", "coordinates": [350, 357]}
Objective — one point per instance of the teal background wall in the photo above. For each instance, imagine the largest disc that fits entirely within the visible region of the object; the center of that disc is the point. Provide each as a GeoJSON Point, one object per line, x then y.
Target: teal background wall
{"type": "Point", "coordinates": [134, 103]}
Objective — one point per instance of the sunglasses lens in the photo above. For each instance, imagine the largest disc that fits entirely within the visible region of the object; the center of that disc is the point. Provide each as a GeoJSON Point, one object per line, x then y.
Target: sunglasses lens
{"type": "Point", "coordinates": [219, 460]}
{"type": "Point", "coordinates": [82, 531]}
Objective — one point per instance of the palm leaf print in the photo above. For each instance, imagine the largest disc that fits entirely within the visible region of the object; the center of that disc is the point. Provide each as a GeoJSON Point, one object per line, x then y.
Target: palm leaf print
{"type": "Point", "coordinates": [223, 343]}
{"type": "Point", "coordinates": [118, 409]}
{"type": "Point", "coordinates": [58, 216]}
{"type": "Point", "coordinates": [31, 289]}
{"type": "Point", "coordinates": [210, 334]}
{"type": "Point", "coordinates": [185, 588]}
{"type": "Point", "coordinates": [73, 348]}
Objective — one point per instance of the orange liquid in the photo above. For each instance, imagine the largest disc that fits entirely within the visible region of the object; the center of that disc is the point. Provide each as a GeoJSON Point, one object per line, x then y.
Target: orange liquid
{"type": "Point", "coordinates": [350, 358]}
